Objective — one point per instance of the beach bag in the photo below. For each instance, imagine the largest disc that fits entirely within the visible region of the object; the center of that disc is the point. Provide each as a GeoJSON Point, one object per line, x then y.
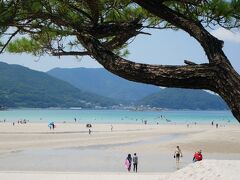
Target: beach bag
{"type": "Point", "coordinates": [126, 163]}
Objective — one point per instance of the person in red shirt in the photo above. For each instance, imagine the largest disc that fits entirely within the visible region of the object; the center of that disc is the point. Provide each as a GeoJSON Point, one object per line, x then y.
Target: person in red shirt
{"type": "Point", "coordinates": [197, 156]}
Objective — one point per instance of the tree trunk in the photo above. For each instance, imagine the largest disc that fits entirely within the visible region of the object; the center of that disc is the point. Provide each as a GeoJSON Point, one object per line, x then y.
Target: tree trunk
{"type": "Point", "coordinates": [227, 85]}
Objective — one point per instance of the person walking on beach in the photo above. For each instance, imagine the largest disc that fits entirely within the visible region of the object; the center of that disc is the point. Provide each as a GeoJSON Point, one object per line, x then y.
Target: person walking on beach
{"type": "Point", "coordinates": [128, 162]}
{"type": "Point", "coordinates": [135, 162]}
{"type": "Point", "coordinates": [197, 156]}
{"type": "Point", "coordinates": [177, 154]}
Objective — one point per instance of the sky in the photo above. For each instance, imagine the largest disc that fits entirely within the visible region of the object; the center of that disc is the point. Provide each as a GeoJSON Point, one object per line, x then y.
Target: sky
{"type": "Point", "coordinates": [161, 47]}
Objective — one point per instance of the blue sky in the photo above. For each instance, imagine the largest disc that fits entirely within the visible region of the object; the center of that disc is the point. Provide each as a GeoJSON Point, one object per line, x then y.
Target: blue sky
{"type": "Point", "coordinates": [162, 47]}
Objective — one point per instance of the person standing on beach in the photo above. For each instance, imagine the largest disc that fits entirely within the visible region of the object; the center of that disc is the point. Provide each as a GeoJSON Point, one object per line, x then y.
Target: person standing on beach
{"type": "Point", "coordinates": [135, 162]}
{"type": "Point", "coordinates": [128, 162]}
{"type": "Point", "coordinates": [178, 154]}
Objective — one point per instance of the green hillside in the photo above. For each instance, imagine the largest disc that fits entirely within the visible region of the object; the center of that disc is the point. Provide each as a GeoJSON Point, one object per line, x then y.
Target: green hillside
{"type": "Point", "coordinates": [176, 98]}
{"type": "Point", "coordinates": [22, 87]}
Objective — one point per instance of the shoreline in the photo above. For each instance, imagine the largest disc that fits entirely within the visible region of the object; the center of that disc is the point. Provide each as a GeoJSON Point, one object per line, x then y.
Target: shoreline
{"type": "Point", "coordinates": [118, 116]}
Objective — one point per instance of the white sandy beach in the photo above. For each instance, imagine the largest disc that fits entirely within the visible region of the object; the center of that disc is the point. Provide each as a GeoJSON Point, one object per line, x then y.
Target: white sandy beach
{"type": "Point", "coordinates": [204, 170]}
{"type": "Point", "coordinates": [37, 135]}
{"type": "Point", "coordinates": [32, 150]}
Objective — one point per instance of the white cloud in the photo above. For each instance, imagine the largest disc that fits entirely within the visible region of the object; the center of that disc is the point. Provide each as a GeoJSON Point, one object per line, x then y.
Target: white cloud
{"type": "Point", "coordinates": [226, 35]}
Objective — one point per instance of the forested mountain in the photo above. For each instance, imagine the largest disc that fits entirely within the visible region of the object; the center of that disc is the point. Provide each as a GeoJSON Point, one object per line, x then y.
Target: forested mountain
{"type": "Point", "coordinates": [102, 82]}
{"type": "Point", "coordinates": [176, 98]}
{"type": "Point", "coordinates": [22, 87]}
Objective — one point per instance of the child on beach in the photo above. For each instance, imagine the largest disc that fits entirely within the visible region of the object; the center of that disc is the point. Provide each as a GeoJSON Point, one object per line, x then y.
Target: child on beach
{"type": "Point", "coordinates": [197, 156]}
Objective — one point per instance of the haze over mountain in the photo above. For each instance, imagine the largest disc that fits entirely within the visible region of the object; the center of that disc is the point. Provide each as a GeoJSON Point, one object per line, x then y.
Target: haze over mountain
{"type": "Point", "coordinates": [176, 98]}
{"type": "Point", "coordinates": [102, 82]}
{"type": "Point", "coordinates": [22, 87]}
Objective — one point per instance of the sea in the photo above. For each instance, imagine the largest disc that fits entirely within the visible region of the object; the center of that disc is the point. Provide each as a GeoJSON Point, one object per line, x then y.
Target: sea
{"type": "Point", "coordinates": [117, 116]}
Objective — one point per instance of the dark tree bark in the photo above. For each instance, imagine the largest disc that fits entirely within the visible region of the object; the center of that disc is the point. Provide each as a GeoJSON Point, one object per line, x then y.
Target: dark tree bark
{"type": "Point", "coordinates": [227, 85]}
{"type": "Point", "coordinates": [218, 75]}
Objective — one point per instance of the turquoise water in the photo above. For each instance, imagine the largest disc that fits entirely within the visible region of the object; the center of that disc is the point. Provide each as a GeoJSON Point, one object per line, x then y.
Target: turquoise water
{"type": "Point", "coordinates": [116, 116]}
